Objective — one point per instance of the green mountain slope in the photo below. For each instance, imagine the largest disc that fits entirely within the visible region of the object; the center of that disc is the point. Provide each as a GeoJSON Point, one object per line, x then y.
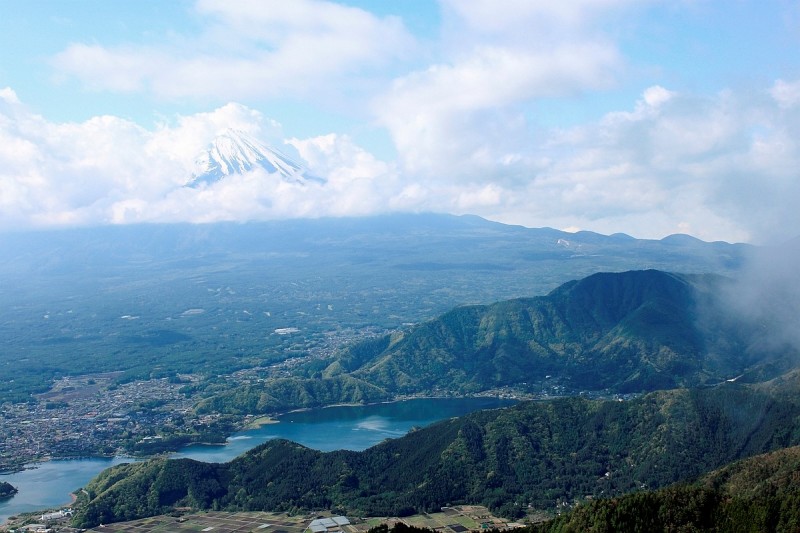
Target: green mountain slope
{"type": "Point", "coordinates": [628, 332]}
{"type": "Point", "coordinates": [623, 332]}
{"type": "Point", "coordinates": [292, 393]}
{"type": "Point", "coordinates": [536, 453]}
{"type": "Point", "coordinates": [758, 494]}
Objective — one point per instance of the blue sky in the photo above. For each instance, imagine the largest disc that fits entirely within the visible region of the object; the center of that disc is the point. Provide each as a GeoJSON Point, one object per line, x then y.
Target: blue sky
{"type": "Point", "coordinates": [644, 117]}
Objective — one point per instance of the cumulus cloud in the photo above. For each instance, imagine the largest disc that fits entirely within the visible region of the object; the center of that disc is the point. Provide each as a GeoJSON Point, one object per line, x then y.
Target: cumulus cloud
{"type": "Point", "coordinates": [249, 49]}
{"type": "Point", "coordinates": [462, 115]}
{"type": "Point", "coordinates": [339, 159]}
{"type": "Point", "coordinates": [69, 173]}
{"type": "Point", "coordinates": [787, 94]}
{"type": "Point", "coordinates": [111, 170]}
{"type": "Point", "coordinates": [716, 167]}
{"type": "Point", "coordinates": [542, 19]}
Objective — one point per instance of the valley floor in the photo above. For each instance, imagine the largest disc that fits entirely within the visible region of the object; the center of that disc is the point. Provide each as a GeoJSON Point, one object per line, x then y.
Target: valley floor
{"type": "Point", "coordinates": [450, 520]}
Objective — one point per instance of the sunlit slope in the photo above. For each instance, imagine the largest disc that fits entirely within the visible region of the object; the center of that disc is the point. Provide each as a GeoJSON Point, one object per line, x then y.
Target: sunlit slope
{"type": "Point", "coordinates": [631, 331]}
{"type": "Point", "coordinates": [625, 332]}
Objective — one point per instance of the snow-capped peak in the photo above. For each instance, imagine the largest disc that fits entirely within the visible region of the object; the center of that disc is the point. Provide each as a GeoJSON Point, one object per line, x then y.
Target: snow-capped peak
{"type": "Point", "coordinates": [236, 152]}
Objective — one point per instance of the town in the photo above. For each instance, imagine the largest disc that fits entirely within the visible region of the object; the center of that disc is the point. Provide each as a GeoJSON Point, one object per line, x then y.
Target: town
{"type": "Point", "coordinates": [96, 416]}
{"type": "Point", "coordinates": [86, 416]}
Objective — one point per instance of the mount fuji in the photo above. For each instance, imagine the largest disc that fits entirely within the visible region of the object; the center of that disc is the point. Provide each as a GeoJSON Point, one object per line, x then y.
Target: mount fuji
{"type": "Point", "coordinates": [236, 152]}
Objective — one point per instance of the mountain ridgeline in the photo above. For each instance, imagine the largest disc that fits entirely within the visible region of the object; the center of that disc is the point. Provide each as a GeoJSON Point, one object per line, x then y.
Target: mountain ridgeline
{"type": "Point", "coordinates": [627, 332]}
{"type": "Point", "coordinates": [537, 454]}
{"type": "Point", "coordinates": [163, 297]}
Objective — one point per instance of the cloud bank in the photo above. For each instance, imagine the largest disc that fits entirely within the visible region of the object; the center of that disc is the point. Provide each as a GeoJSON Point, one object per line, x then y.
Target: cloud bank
{"type": "Point", "coordinates": [460, 109]}
{"type": "Point", "coordinates": [672, 163]}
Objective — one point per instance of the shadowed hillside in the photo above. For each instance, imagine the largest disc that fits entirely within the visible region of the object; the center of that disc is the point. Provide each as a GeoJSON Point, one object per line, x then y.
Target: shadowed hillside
{"type": "Point", "coordinates": [757, 494]}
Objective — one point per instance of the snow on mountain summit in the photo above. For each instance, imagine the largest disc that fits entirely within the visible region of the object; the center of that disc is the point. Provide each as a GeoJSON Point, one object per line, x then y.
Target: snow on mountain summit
{"type": "Point", "coordinates": [236, 152]}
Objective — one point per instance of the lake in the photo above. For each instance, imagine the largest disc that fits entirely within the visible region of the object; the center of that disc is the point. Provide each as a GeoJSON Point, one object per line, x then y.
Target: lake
{"type": "Point", "coordinates": [331, 428]}
{"type": "Point", "coordinates": [50, 484]}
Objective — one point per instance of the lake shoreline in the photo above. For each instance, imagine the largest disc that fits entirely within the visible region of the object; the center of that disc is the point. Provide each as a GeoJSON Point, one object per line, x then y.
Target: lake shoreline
{"type": "Point", "coordinates": [244, 426]}
{"type": "Point", "coordinates": [49, 484]}
{"type": "Point", "coordinates": [33, 465]}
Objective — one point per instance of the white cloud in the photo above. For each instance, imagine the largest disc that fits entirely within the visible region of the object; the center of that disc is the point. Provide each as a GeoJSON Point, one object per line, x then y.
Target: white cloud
{"type": "Point", "coordinates": [123, 69]}
{"type": "Point", "coordinates": [110, 170]}
{"type": "Point", "coordinates": [67, 173]}
{"type": "Point", "coordinates": [656, 95]}
{"type": "Point", "coordinates": [786, 93]}
{"type": "Point", "coordinates": [723, 167]}
{"type": "Point", "coordinates": [720, 167]}
{"type": "Point", "coordinates": [340, 160]}
{"type": "Point", "coordinates": [248, 49]}
{"type": "Point", "coordinates": [8, 95]}
{"type": "Point", "coordinates": [463, 115]}
{"type": "Point", "coordinates": [531, 16]}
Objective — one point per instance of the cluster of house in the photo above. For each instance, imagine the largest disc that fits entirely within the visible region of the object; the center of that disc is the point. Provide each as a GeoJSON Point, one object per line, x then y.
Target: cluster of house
{"type": "Point", "coordinates": [62, 513]}
{"type": "Point", "coordinates": [46, 518]}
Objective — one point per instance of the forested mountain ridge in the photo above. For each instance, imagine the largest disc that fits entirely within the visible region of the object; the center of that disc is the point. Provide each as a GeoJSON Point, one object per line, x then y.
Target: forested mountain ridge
{"type": "Point", "coordinates": [628, 332]}
{"type": "Point", "coordinates": [536, 453]}
{"type": "Point", "coordinates": [633, 329]}
{"type": "Point", "coordinates": [756, 494]}
{"type": "Point", "coordinates": [625, 332]}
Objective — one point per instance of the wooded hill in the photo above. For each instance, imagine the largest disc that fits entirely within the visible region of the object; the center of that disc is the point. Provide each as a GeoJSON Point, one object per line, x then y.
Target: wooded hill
{"type": "Point", "coordinates": [7, 489]}
{"type": "Point", "coordinates": [758, 494]}
{"type": "Point", "coordinates": [535, 454]}
{"type": "Point", "coordinates": [635, 331]}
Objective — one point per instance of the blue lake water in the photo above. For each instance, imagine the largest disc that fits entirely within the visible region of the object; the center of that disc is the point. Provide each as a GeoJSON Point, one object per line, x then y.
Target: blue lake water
{"type": "Point", "coordinates": [50, 484]}
{"type": "Point", "coordinates": [333, 428]}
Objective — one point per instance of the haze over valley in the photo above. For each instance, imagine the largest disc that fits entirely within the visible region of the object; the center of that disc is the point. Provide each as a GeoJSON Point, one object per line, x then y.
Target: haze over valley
{"type": "Point", "coordinates": [399, 267]}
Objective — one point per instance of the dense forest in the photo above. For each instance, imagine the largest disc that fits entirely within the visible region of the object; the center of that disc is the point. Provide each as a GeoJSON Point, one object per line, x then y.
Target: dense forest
{"type": "Point", "coordinates": [767, 502]}
{"type": "Point", "coordinates": [761, 494]}
{"type": "Point", "coordinates": [292, 393]}
{"type": "Point", "coordinates": [536, 454]}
